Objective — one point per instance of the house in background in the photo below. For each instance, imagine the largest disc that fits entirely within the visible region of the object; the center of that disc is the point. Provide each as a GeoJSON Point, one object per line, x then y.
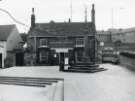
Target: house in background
{"type": "Point", "coordinates": [9, 40]}
{"type": "Point", "coordinates": [120, 39]}
{"type": "Point", "coordinates": [70, 42]}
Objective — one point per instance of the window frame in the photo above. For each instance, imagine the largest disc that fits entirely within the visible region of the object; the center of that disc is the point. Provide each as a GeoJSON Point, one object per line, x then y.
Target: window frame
{"type": "Point", "coordinates": [41, 43]}
{"type": "Point", "coordinates": [43, 57]}
{"type": "Point", "coordinates": [80, 41]}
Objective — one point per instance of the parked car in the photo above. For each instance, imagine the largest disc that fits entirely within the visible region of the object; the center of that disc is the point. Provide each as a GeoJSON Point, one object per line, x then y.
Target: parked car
{"type": "Point", "coordinates": [110, 55]}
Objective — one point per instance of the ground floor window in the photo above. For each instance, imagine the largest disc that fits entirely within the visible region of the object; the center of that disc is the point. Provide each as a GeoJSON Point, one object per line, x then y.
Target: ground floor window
{"type": "Point", "coordinates": [79, 55]}
{"type": "Point", "coordinates": [43, 56]}
{"type": "Point", "coordinates": [0, 60]}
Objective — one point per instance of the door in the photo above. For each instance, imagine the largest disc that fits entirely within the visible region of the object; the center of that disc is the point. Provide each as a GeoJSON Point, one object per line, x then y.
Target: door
{"type": "Point", "coordinates": [19, 59]}
{"type": "Point", "coordinates": [62, 61]}
{"type": "Point", "coordinates": [0, 60]}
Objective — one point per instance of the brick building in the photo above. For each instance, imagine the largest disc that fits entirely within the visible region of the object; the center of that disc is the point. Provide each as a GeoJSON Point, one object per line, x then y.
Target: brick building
{"type": "Point", "coordinates": [72, 42]}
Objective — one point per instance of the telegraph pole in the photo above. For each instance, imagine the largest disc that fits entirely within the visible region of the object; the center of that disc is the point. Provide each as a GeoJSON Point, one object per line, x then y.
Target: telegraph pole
{"type": "Point", "coordinates": [71, 10]}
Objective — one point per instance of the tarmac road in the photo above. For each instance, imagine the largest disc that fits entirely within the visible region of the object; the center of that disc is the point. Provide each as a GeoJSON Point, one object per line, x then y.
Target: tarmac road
{"type": "Point", "coordinates": [115, 84]}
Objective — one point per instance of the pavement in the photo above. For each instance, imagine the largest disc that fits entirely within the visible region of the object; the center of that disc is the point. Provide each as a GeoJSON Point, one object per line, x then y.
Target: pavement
{"type": "Point", "coordinates": [115, 84]}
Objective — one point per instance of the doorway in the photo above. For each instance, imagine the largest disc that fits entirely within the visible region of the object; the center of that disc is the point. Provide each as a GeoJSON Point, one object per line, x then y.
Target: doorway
{"type": "Point", "coordinates": [19, 59]}
{"type": "Point", "coordinates": [0, 60]}
{"type": "Point", "coordinates": [62, 61]}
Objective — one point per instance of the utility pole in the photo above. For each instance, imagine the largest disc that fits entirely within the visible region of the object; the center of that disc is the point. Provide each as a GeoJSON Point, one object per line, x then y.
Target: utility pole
{"type": "Point", "coordinates": [85, 14]}
{"type": "Point", "coordinates": [112, 16]}
{"type": "Point", "coordinates": [71, 11]}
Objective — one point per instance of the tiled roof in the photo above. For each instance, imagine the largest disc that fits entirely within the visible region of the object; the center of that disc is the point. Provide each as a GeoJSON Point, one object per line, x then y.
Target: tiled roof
{"type": "Point", "coordinates": [5, 31]}
{"type": "Point", "coordinates": [62, 29]}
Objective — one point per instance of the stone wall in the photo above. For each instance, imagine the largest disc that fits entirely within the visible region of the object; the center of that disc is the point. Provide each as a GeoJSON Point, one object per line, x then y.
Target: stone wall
{"type": "Point", "coordinates": [127, 59]}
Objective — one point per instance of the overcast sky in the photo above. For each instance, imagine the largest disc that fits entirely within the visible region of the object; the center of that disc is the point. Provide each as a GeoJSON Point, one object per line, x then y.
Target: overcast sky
{"type": "Point", "coordinates": [109, 13]}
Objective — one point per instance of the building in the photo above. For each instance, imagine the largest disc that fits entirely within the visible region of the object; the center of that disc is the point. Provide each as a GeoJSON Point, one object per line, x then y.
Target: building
{"type": "Point", "coordinates": [70, 42]}
{"type": "Point", "coordinates": [9, 39]}
{"type": "Point", "coordinates": [104, 36]}
{"type": "Point", "coordinates": [124, 35]}
{"type": "Point", "coordinates": [120, 39]}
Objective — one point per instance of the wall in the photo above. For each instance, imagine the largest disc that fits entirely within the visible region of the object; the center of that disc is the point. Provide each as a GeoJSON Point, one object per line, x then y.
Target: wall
{"type": "Point", "coordinates": [13, 39]}
{"type": "Point", "coordinates": [3, 51]}
{"type": "Point", "coordinates": [103, 37]}
{"type": "Point", "coordinates": [128, 60]}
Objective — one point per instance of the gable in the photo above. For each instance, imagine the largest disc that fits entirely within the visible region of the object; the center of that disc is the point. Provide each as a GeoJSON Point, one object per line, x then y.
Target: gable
{"type": "Point", "coordinates": [5, 31]}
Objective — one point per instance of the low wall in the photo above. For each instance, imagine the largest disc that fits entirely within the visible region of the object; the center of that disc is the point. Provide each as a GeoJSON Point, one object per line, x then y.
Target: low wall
{"type": "Point", "coordinates": [128, 59]}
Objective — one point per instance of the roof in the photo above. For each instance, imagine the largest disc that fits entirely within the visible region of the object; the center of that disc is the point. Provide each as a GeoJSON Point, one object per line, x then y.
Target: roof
{"type": "Point", "coordinates": [5, 31]}
{"type": "Point", "coordinates": [103, 32]}
{"type": "Point", "coordinates": [62, 29]}
{"type": "Point", "coordinates": [117, 31]}
{"type": "Point", "coordinates": [127, 30]}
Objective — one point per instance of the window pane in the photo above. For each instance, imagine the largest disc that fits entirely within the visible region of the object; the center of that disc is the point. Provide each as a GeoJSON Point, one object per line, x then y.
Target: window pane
{"type": "Point", "coordinates": [43, 42]}
{"type": "Point", "coordinates": [43, 56]}
{"type": "Point", "coordinates": [80, 41]}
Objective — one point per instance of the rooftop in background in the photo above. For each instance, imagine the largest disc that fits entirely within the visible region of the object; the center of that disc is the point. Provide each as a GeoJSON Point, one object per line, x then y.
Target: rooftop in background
{"type": "Point", "coordinates": [116, 31]}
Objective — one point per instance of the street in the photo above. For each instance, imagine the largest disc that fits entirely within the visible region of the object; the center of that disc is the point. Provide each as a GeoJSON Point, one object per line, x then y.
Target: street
{"type": "Point", "coordinates": [115, 84]}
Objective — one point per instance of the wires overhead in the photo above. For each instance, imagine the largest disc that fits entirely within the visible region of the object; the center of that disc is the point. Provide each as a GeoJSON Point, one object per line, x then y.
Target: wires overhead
{"type": "Point", "coordinates": [15, 20]}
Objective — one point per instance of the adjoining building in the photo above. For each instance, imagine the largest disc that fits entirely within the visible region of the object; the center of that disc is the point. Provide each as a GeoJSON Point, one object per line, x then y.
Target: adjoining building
{"type": "Point", "coordinates": [9, 40]}
{"type": "Point", "coordinates": [121, 39]}
{"type": "Point", "coordinates": [70, 42]}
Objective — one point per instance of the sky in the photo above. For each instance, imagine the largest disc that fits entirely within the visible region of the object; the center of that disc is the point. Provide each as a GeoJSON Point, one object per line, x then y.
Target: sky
{"type": "Point", "coordinates": [109, 13]}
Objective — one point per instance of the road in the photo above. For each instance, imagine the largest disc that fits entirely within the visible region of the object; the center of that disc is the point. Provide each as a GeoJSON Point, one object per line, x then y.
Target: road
{"type": "Point", "coordinates": [115, 84]}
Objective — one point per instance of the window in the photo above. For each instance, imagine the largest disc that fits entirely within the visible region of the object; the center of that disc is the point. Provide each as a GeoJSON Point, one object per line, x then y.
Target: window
{"type": "Point", "coordinates": [79, 56]}
{"type": "Point", "coordinates": [80, 42]}
{"type": "Point", "coordinates": [43, 42]}
{"type": "Point", "coordinates": [43, 56]}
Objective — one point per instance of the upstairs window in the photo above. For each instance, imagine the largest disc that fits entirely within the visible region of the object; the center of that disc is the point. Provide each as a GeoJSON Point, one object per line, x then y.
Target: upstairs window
{"type": "Point", "coordinates": [79, 41]}
{"type": "Point", "coordinates": [43, 42]}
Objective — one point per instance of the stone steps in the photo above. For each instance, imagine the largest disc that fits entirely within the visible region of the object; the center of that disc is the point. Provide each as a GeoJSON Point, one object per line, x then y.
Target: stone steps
{"type": "Point", "coordinates": [86, 71]}
{"type": "Point", "coordinates": [85, 68]}
{"type": "Point", "coordinates": [27, 81]}
{"type": "Point", "coordinates": [53, 87]}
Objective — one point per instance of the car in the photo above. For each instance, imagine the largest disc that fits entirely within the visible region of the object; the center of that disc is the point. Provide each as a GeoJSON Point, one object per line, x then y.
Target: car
{"type": "Point", "coordinates": [110, 55]}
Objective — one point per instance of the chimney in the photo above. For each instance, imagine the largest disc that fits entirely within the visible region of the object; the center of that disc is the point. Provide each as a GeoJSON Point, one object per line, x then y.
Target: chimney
{"type": "Point", "coordinates": [69, 20]}
{"type": "Point", "coordinates": [85, 17]}
{"type": "Point", "coordinates": [32, 19]}
{"type": "Point", "coordinates": [93, 14]}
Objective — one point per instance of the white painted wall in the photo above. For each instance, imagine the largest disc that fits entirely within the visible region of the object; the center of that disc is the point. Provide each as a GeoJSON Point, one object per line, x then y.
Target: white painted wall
{"type": "Point", "coordinates": [13, 40]}
{"type": "Point", "coordinates": [3, 51]}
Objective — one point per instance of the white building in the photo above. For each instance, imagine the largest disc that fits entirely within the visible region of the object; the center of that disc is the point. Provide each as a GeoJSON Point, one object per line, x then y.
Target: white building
{"type": "Point", "coordinates": [9, 39]}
